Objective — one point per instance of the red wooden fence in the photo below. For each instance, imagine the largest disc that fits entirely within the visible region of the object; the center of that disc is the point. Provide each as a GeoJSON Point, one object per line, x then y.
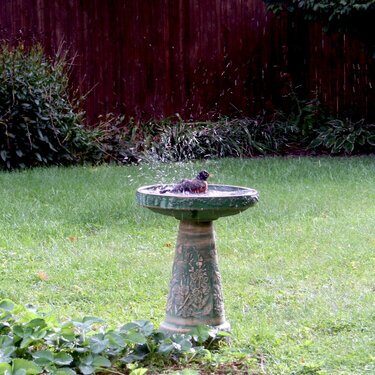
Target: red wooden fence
{"type": "Point", "coordinates": [155, 58]}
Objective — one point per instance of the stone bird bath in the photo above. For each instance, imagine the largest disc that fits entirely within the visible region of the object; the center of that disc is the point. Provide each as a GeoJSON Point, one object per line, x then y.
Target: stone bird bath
{"type": "Point", "coordinates": [195, 295]}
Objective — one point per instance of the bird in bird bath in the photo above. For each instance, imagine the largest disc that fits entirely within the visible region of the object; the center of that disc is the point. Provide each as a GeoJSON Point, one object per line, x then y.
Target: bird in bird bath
{"type": "Point", "coordinates": [195, 293]}
{"type": "Point", "coordinates": [196, 185]}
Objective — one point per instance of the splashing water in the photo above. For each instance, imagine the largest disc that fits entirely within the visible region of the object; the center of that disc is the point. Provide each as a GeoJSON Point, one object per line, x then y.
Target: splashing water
{"type": "Point", "coordinates": [215, 191]}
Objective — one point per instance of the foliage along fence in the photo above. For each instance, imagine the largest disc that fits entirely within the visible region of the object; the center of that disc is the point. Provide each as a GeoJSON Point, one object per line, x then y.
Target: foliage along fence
{"type": "Point", "coordinates": [198, 58]}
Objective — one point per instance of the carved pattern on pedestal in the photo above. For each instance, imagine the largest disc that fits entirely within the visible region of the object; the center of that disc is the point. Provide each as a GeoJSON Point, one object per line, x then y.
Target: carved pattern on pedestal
{"type": "Point", "coordinates": [195, 289]}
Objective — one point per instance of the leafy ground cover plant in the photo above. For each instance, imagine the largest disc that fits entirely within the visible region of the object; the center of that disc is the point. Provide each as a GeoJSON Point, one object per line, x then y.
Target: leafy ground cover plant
{"type": "Point", "coordinates": [32, 343]}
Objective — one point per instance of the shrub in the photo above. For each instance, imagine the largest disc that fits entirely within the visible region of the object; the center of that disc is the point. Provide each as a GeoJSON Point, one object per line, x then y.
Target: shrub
{"type": "Point", "coordinates": [113, 141]}
{"type": "Point", "coordinates": [224, 138]}
{"type": "Point", "coordinates": [39, 122]}
{"type": "Point", "coordinates": [345, 136]}
{"type": "Point", "coordinates": [303, 115]}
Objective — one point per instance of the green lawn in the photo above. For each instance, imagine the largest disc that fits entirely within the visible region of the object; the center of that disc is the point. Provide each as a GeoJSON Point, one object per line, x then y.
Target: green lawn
{"type": "Point", "coordinates": [298, 269]}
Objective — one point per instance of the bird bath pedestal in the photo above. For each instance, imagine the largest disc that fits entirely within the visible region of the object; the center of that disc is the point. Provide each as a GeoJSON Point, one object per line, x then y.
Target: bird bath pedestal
{"type": "Point", "coordinates": [195, 295]}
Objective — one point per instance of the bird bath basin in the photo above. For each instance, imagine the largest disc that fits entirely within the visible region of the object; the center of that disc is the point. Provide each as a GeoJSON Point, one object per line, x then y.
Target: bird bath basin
{"type": "Point", "coordinates": [195, 295]}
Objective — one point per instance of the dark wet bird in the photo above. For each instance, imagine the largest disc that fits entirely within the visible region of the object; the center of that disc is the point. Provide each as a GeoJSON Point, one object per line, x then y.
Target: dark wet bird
{"type": "Point", "coordinates": [197, 185]}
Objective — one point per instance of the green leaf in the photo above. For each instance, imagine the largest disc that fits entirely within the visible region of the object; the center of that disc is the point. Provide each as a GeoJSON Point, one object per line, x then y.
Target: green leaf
{"type": "Point", "coordinates": [39, 334]}
{"type": "Point", "coordinates": [361, 140]}
{"type": "Point", "coordinates": [100, 361]}
{"type": "Point", "coordinates": [7, 304]}
{"type": "Point", "coordinates": [330, 140]}
{"type": "Point", "coordinates": [4, 368]}
{"type": "Point", "coordinates": [26, 342]}
{"type": "Point", "coordinates": [128, 327]}
{"type": "Point", "coordinates": [87, 322]}
{"type": "Point", "coordinates": [63, 359]}
{"type": "Point", "coordinates": [5, 341]}
{"type": "Point", "coordinates": [135, 338]}
{"type": "Point", "coordinates": [6, 354]}
{"type": "Point", "coordinates": [87, 360]}
{"type": "Point", "coordinates": [41, 323]}
{"type": "Point", "coordinates": [349, 147]}
{"type": "Point", "coordinates": [90, 320]}
{"type": "Point", "coordinates": [30, 367]}
{"type": "Point", "coordinates": [182, 342]}
{"type": "Point", "coordinates": [64, 371]}
{"type": "Point", "coordinates": [115, 340]}
{"type": "Point", "coordinates": [98, 343]}
{"type": "Point", "coordinates": [4, 155]}
{"type": "Point", "coordinates": [134, 357]}
{"type": "Point", "coordinates": [145, 327]}
{"type": "Point", "coordinates": [67, 331]}
{"type": "Point", "coordinates": [166, 347]}
{"type": "Point", "coordinates": [43, 357]}
{"type": "Point", "coordinates": [201, 334]}
{"type": "Point", "coordinates": [18, 330]}
{"type": "Point", "coordinates": [139, 371]}
{"type": "Point", "coordinates": [86, 369]}
{"type": "Point", "coordinates": [315, 143]}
